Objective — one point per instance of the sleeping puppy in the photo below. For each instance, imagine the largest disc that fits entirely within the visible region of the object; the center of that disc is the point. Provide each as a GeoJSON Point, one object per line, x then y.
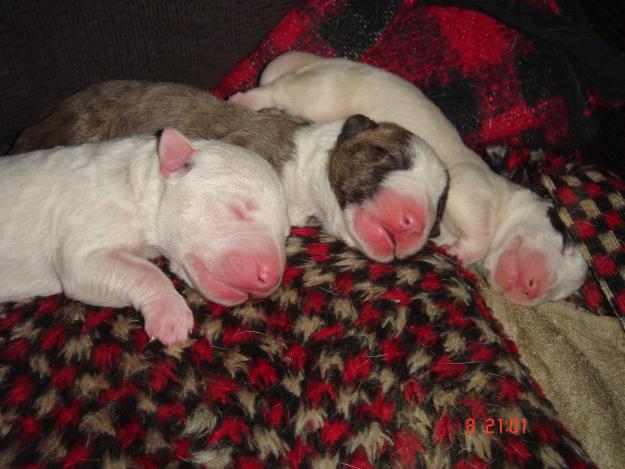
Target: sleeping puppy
{"type": "Point", "coordinates": [374, 185]}
{"type": "Point", "coordinates": [501, 228]}
{"type": "Point", "coordinates": [84, 219]}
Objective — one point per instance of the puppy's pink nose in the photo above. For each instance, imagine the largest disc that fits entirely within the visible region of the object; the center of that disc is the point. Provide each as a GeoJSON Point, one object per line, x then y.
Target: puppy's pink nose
{"type": "Point", "coordinates": [406, 226]}
{"type": "Point", "coordinates": [257, 273]}
{"type": "Point", "coordinates": [531, 288]}
{"type": "Point", "coordinates": [534, 275]}
{"type": "Point", "coordinates": [268, 275]}
{"type": "Point", "coordinates": [405, 222]}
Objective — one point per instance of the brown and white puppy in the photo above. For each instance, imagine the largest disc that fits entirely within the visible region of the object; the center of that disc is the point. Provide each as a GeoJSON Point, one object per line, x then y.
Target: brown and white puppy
{"type": "Point", "coordinates": [374, 185]}
{"type": "Point", "coordinates": [500, 227]}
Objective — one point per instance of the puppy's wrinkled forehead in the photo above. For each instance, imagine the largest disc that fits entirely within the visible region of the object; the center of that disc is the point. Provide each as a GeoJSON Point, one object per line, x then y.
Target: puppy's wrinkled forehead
{"type": "Point", "coordinates": [364, 154]}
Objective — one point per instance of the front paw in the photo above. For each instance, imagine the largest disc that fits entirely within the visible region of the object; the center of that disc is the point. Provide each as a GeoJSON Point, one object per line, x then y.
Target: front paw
{"type": "Point", "coordinates": [450, 250]}
{"type": "Point", "coordinates": [464, 255]}
{"type": "Point", "coordinates": [168, 319]}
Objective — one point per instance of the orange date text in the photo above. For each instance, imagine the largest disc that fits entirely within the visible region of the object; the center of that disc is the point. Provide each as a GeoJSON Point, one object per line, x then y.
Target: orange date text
{"type": "Point", "coordinates": [497, 426]}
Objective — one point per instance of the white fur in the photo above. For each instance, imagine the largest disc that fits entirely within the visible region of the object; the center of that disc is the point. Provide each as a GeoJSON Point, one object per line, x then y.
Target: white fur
{"type": "Point", "coordinates": [309, 194]}
{"type": "Point", "coordinates": [83, 219]}
{"type": "Point", "coordinates": [484, 211]}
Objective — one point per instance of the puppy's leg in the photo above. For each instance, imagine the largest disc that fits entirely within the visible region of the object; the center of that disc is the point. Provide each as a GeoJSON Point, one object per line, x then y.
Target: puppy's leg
{"type": "Point", "coordinates": [299, 95]}
{"type": "Point", "coordinates": [255, 99]}
{"type": "Point", "coordinates": [117, 278]}
{"type": "Point", "coordinates": [472, 244]}
{"type": "Point", "coordinates": [287, 63]}
{"type": "Point", "coordinates": [470, 214]}
{"type": "Point", "coordinates": [283, 68]}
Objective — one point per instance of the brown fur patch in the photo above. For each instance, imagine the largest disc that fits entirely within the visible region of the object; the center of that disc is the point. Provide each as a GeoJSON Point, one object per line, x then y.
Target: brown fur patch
{"type": "Point", "coordinates": [440, 208]}
{"type": "Point", "coordinates": [117, 109]}
{"type": "Point", "coordinates": [361, 160]}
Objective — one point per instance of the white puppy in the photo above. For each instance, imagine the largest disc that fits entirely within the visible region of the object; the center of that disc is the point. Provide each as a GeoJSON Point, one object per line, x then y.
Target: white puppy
{"type": "Point", "coordinates": [84, 219]}
{"type": "Point", "coordinates": [501, 227]}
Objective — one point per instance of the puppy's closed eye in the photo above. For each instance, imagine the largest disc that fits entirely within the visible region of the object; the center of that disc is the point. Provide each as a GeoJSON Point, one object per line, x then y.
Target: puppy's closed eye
{"type": "Point", "coordinates": [240, 213]}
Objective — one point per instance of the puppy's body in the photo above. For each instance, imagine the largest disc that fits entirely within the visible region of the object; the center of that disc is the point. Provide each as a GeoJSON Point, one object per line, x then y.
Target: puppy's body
{"type": "Point", "coordinates": [122, 108]}
{"type": "Point", "coordinates": [84, 219]}
{"type": "Point", "coordinates": [376, 186]}
{"type": "Point", "coordinates": [489, 221]}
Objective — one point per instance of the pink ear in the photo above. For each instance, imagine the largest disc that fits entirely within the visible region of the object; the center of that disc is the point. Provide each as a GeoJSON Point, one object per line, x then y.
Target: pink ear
{"type": "Point", "coordinates": [174, 151]}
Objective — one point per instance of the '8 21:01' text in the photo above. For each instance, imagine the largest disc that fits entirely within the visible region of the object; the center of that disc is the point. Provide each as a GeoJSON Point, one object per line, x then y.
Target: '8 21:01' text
{"type": "Point", "coordinates": [499, 426]}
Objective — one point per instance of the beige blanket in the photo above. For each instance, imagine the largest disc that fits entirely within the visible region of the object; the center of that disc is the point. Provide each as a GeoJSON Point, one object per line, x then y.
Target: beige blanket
{"type": "Point", "coordinates": [579, 361]}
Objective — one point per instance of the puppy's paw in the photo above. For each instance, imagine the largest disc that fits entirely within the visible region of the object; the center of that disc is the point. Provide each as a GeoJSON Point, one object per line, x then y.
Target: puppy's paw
{"type": "Point", "coordinates": [168, 319]}
{"type": "Point", "coordinates": [255, 99]}
{"type": "Point", "coordinates": [467, 251]}
{"type": "Point", "coordinates": [449, 250]}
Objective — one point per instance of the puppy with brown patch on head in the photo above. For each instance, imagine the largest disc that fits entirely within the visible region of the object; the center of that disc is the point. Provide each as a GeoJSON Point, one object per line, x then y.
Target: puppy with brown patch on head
{"type": "Point", "coordinates": [502, 228]}
{"type": "Point", "coordinates": [376, 186]}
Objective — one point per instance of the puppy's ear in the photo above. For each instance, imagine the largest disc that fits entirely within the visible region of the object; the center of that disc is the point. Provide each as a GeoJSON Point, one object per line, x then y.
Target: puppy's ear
{"type": "Point", "coordinates": [355, 125]}
{"type": "Point", "coordinates": [174, 152]}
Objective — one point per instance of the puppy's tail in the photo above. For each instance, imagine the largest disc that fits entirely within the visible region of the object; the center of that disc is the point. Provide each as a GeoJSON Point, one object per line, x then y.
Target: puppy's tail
{"type": "Point", "coordinates": [287, 63]}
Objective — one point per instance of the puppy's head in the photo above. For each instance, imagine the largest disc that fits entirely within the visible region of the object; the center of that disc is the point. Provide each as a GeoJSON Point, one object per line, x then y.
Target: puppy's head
{"type": "Point", "coordinates": [222, 219]}
{"type": "Point", "coordinates": [532, 260]}
{"type": "Point", "coordinates": [389, 185]}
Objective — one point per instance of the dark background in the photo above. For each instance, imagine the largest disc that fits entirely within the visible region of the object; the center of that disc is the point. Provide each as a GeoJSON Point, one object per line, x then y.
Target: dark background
{"type": "Point", "coordinates": [51, 49]}
{"type": "Point", "coordinates": [608, 21]}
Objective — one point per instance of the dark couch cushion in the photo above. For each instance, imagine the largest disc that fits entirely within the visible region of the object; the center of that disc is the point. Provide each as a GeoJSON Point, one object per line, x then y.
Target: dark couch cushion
{"type": "Point", "coordinates": [50, 50]}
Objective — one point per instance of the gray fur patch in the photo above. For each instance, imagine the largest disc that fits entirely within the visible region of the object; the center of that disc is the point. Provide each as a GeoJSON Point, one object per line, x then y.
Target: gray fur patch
{"type": "Point", "coordinates": [123, 108]}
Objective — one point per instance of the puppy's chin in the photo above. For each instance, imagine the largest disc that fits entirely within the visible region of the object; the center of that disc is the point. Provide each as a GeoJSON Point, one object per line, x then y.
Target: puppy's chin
{"type": "Point", "coordinates": [386, 253]}
{"type": "Point", "coordinates": [212, 288]}
{"type": "Point", "coordinates": [375, 252]}
{"type": "Point", "coordinates": [382, 246]}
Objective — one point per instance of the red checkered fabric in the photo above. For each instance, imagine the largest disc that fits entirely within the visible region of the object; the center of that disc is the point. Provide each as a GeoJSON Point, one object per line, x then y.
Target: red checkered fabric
{"type": "Point", "coordinates": [496, 85]}
{"type": "Point", "coordinates": [592, 204]}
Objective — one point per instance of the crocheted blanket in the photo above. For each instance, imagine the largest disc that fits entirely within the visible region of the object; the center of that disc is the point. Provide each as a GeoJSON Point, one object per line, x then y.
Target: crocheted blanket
{"type": "Point", "coordinates": [351, 363]}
